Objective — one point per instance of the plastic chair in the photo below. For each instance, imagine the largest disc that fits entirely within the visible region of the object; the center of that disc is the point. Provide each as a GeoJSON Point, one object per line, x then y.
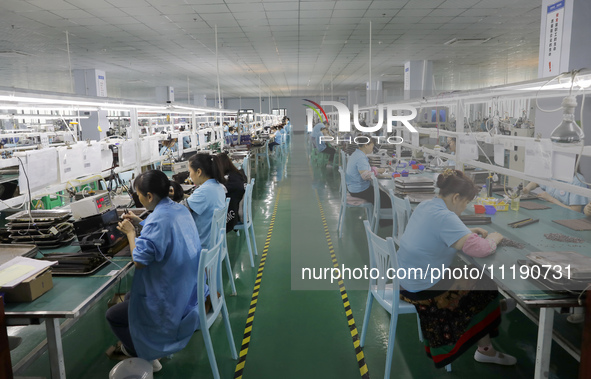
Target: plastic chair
{"type": "Point", "coordinates": [246, 167]}
{"type": "Point", "coordinates": [344, 160]}
{"type": "Point", "coordinates": [247, 224]}
{"type": "Point", "coordinates": [379, 213]}
{"type": "Point", "coordinates": [218, 223]}
{"type": "Point", "coordinates": [401, 210]}
{"type": "Point", "coordinates": [210, 269]}
{"type": "Point", "coordinates": [348, 201]}
{"type": "Point", "coordinates": [382, 256]}
{"type": "Point", "coordinates": [264, 154]}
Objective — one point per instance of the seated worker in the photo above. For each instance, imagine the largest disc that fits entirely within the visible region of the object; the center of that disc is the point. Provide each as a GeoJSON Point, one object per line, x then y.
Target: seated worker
{"type": "Point", "coordinates": [451, 143]}
{"type": "Point", "coordinates": [318, 131]}
{"type": "Point", "coordinates": [560, 197]}
{"type": "Point", "coordinates": [358, 175]}
{"type": "Point", "coordinates": [275, 136]}
{"type": "Point", "coordinates": [230, 132]}
{"type": "Point", "coordinates": [454, 314]}
{"type": "Point", "coordinates": [204, 170]}
{"type": "Point", "coordinates": [159, 314]}
{"type": "Point", "coordinates": [235, 188]}
{"type": "Point", "coordinates": [176, 192]}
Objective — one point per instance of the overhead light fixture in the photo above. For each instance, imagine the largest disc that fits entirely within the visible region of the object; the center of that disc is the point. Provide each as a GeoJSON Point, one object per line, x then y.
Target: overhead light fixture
{"type": "Point", "coordinates": [13, 54]}
{"type": "Point", "coordinates": [568, 131]}
{"type": "Point", "coordinates": [467, 42]}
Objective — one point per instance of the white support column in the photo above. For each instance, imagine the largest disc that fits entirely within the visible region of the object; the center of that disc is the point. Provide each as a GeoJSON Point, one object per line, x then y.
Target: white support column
{"type": "Point", "coordinates": [459, 129]}
{"type": "Point", "coordinates": [135, 136]}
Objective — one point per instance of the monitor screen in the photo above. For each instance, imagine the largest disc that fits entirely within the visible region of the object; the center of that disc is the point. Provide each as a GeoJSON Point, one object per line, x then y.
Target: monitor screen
{"type": "Point", "coordinates": [442, 114]}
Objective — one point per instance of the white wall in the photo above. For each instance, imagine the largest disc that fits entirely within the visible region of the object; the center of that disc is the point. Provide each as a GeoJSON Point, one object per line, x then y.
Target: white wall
{"type": "Point", "coordinates": [296, 111]}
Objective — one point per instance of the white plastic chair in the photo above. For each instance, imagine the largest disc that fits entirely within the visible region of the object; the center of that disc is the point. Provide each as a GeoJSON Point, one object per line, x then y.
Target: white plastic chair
{"type": "Point", "coordinates": [382, 256]}
{"type": "Point", "coordinates": [264, 154]}
{"type": "Point", "coordinates": [246, 223]}
{"type": "Point", "coordinates": [379, 213]}
{"type": "Point", "coordinates": [344, 160]}
{"type": "Point", "coordinates": [210, 269]}
{"type": "Point", "coordinates": [348, 201]}
{"type": "Point", "coordinates": [218, 223]}
{"type": "Point", "coordinates": [402, 211]}
{"type": "Point", "coordinates": [246, 167]}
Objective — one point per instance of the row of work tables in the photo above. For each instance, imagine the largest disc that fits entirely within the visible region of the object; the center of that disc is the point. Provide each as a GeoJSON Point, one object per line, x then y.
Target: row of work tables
{"type": "Point", "coordinates": [70, 298]}
{"type": "Point", "coordinates": [536, 302]}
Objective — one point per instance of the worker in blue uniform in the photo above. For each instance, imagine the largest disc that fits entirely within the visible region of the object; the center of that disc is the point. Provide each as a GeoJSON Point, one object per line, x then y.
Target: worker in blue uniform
{"type": "Point", "coordinates": [206, 173]}
{"type": "Point", "coordinates": [160, 314]}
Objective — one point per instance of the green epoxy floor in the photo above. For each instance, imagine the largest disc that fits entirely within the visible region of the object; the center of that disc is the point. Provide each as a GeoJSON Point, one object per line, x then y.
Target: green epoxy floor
{"type": "Point", "coordinates": [299, 333]}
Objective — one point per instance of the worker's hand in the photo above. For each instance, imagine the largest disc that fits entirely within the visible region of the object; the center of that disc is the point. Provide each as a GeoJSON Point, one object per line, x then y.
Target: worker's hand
{"type": "Point", "coordinates": [132, 217]}
{"type": "Point", "coordinates": [126, 228]}
{"type": "Point", "coordinates": [481, 232]}
{"type": "Point", "coordinates": [497, 237]}
{"type": "Point", "coordinates": [546, 196]}
{"type": "Point", "coordinates": [587, 210]}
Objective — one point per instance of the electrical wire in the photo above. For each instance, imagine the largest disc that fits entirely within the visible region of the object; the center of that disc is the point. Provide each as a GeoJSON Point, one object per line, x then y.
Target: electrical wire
{"type": "Point", "coordinates": [545, 84]}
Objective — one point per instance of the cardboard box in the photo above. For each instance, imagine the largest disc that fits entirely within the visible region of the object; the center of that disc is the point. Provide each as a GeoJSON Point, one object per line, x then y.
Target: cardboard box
{"type": "Point", "coordinates": [29, 289]}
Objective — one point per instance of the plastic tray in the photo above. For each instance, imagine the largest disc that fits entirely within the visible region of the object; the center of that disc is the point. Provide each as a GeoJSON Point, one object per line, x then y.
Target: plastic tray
{"type": "Point", "coordinates": [39, 216]}
{"type": "Point", "coordinates": [7, 252]}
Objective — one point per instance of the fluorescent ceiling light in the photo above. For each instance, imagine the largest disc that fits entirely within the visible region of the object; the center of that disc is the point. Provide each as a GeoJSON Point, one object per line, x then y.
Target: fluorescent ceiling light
{"type": "Point", "coordinates": [467, 42]}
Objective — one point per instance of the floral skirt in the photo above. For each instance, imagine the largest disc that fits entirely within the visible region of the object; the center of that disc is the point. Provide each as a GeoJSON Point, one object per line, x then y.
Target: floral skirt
{"type": "Point", "coordinates": [455, 319]}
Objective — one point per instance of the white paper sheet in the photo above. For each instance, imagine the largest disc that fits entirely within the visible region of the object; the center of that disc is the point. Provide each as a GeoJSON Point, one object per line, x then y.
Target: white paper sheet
{"type": "Point", "coordinates": [563, 166]}
{"type": "Point", "coordinates": [538, 158]}
{"type": "Point", "coordinates": [468, 147]}
{"type": "Point", "coordinates": [41, 169]}
{"type": "Point", "coordinates": [499, 154]}
{"type": "Point", "coordinates": [13, 272]}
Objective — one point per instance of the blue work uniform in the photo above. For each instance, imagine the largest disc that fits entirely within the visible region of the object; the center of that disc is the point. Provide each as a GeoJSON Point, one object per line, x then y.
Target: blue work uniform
{"type": "Point", "coordinates": [186, 142]}
{"type": "Point", "coordinates": [163, 311]}
{"type": "Point", "coordinates": [568, 198]}
{"type": "Point", "coordinates": [358, 161]}
{"type": "Point", "coordinates": [278, 137]}
{"type": "Point", "coordinates": [427, 243]}
{"type": "Point", "coordinates": [316, 134]}
{"type": "Point", "coordinates": [203, 201]}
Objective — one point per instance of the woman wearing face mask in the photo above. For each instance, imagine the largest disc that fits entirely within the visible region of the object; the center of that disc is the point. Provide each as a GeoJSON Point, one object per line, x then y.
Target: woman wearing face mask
{"type": "Point", "coordinates": [205, 172]}
{"type": "Point", "coordinates": [159, 314]}
{"type": "Point", "coordinates": [454, 314]}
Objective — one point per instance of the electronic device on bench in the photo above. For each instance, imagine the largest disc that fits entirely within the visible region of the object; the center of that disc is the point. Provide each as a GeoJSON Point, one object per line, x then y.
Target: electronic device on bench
{"type": "Point", "coordinates": [100, 232]}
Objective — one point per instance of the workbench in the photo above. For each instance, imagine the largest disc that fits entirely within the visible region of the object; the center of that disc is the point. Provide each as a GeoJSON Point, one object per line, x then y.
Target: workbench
{"type": "Point", "coordinates": [528, 294]}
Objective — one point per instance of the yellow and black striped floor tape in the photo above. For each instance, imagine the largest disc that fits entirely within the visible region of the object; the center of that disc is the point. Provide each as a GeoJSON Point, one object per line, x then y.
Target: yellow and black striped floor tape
{"type": "Point", "coordinates": [255, 296]}
{"type": "Point", "coordinates": [363, 370]}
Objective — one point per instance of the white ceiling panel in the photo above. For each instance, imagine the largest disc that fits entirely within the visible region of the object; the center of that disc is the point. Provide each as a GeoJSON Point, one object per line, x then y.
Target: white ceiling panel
{"type": "Point", "coordinates": [134, 39]}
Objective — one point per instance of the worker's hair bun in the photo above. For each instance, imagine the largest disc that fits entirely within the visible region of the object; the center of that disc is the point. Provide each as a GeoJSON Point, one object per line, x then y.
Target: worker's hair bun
{"type": "Point", "coordinates": [454, 181]}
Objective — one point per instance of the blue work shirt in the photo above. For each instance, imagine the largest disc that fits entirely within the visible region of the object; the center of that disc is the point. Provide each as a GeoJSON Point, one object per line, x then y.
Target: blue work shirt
{"type": "Point", "coordinates": [163, 311]}
{"type": "Point", "coordinates": [186, 142]}
{"type": "Point", "coordinates": [568, 198]}
{"type": "Point", "coordinates": [427, 243]}
{"type": "Point", "coordinates": [358, 161]}
{"type": "Point", "coordinates": [203, 201]}
{"type": "Point", "coordinates": [278, 136]}
{"type": "Point", "coordinates": [316, 134]}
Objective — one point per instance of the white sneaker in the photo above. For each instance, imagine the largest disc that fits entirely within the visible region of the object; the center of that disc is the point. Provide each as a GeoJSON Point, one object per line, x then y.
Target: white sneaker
{"type": "Point", "coordinates": [509, 304]}
{"type": "Point", "coordinates": [156, 365]}
{"type": "Point", "coordinates": [576, 318]}
{"type": "Point", "coordinates": [499, 358]}
{"type": "Point", "coordinates": [125, 351]}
